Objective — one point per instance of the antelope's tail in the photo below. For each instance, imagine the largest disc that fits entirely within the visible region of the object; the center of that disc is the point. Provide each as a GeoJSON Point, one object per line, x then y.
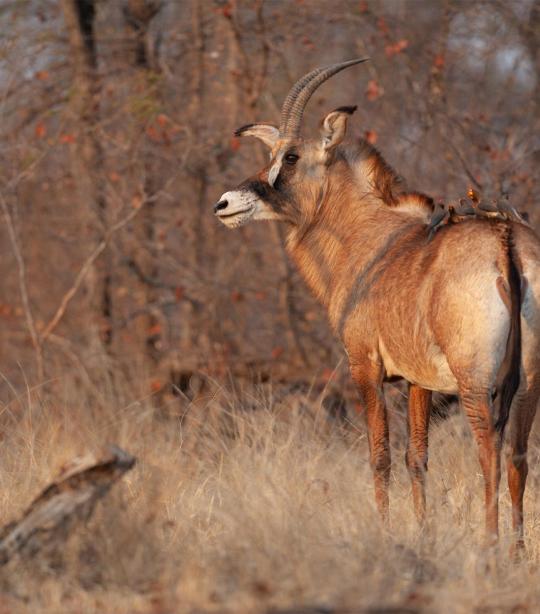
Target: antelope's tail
{"type": "Point", "coordinates": [508, 377]}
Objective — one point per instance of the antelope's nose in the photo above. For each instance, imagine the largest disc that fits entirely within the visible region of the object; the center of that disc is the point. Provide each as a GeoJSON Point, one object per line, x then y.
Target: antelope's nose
{"type": "Point", "coordinates": [222, 204]}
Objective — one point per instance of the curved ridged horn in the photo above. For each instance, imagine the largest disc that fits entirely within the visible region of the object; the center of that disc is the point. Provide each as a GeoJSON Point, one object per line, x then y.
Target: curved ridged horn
{"type": "Point", "coordinates": [297, 98]}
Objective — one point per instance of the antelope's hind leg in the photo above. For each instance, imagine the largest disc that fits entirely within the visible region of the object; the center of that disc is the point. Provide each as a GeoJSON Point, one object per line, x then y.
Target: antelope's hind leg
{"type": "Point", "coordinates": [478, 408]}
{"type": "Point", "coordinates": [519, 428]}
{"type": "Point", "coordinates": [368, 377]}
{"type": "Point", "coordinates": [417, 446]}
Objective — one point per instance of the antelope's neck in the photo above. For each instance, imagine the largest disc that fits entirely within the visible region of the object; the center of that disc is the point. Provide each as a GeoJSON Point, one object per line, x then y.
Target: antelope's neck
{"type": "Point", "coordinates": [320, 248]}
{"type": "Point", "coordinates": [337, 249]}
{"type": "Point", "coordinates": [319, 252]}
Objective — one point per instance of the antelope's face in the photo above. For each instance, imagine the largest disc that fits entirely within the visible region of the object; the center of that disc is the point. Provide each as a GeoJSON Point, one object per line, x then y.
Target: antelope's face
{"type": "Point", "coordinates": [292, 185]}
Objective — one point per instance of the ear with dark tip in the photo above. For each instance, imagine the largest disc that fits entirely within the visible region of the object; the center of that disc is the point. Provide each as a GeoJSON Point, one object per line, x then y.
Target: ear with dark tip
{"type": "Point", "coordinates": [334, 126]}
{"type": "Point", "coordinates": [266, 133]}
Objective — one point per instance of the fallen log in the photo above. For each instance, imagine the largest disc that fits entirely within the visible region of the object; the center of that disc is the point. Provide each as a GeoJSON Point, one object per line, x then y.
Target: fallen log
{"type": "Point", "coordinates": [71, 498]}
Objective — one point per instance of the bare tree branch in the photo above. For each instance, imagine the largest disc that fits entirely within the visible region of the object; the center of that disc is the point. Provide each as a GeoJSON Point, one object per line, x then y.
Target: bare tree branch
{"type": "Point", "coordinates": [23, 288]}
{"type": "Point", "coordinates": [84, 270]}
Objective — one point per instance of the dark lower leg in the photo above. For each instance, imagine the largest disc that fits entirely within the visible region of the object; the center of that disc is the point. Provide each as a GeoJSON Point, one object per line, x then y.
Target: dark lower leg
{"type": "Point", "coordinates": [520, 425]}
{"type": "Point", "coordinates": [490, 461]}
{"type": "Point", "coordinates": [369, 382]}
{"type": "Point", "coordinates": [517, 469]}
{"type": "Point", "coordinates": [417, 448]}
{"type": "Point", "coordinates": [489, 447]}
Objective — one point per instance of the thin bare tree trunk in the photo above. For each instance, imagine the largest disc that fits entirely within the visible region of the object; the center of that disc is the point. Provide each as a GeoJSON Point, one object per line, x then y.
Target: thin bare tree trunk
{"type": "Point", "coordinates": [88, 161]}
{"type": "Point", "coordinates": [138, 15]}
{"type": "Point", "coordinates": [198, 336]}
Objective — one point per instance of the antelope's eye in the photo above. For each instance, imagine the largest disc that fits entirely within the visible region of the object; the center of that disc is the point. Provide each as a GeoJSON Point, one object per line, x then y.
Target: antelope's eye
{"type": "Point", "coordinates": [291, 158]}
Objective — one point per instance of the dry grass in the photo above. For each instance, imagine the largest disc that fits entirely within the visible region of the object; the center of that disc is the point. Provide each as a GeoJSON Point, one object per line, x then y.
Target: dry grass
{"type": "Point", "coordinates": [248, 510]}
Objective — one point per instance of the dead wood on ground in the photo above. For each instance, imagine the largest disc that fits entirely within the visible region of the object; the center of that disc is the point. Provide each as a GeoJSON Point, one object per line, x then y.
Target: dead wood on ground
{"type": "Point", "coordinates": [71, 498]}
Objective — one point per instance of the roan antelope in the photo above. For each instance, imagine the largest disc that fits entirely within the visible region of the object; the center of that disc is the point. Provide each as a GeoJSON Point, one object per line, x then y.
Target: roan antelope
{"type": "Point", "coordinates": [456, 313]}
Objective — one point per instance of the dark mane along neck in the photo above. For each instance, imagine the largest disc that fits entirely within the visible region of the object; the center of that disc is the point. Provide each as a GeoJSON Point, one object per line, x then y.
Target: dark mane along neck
{"type": "Point", "coordinates": [370, 165]}
{"type": "Point", "coordinates": [380, 179]}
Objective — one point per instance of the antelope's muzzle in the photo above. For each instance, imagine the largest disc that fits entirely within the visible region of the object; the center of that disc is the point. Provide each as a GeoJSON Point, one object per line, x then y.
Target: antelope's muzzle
{"type": "Point", "coordinates": [236, 207]}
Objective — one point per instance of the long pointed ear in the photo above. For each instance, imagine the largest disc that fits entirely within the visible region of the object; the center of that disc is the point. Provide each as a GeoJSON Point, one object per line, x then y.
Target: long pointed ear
{"type": "Point", "coordinates": [266, 133]}
{"type": "Point", "coordinates": [334, 126]}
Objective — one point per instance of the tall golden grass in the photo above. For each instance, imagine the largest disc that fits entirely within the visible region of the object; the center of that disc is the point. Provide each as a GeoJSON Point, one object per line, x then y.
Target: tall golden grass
{"type": "Point", "coordinates": [244, 503]}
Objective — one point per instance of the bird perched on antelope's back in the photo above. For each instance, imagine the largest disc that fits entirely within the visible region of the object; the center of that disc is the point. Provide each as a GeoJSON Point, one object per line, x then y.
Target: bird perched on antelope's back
{"type": "Point", "coordinates": [439, 217]}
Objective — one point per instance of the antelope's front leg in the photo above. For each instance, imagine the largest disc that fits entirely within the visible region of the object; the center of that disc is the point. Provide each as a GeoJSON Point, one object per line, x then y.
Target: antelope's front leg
{"type": "Point", "coordinates": [368, 377]}
{"type": "Point", "coordinates": [417, 446]}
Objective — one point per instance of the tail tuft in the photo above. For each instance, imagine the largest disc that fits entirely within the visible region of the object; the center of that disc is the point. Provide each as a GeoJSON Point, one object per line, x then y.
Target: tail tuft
{"type": "Point", "coordinates": [509, 373]}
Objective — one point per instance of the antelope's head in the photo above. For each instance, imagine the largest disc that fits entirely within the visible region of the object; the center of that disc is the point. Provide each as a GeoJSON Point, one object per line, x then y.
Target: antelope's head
{"type": "Point", "coordinates": [290, 187]}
